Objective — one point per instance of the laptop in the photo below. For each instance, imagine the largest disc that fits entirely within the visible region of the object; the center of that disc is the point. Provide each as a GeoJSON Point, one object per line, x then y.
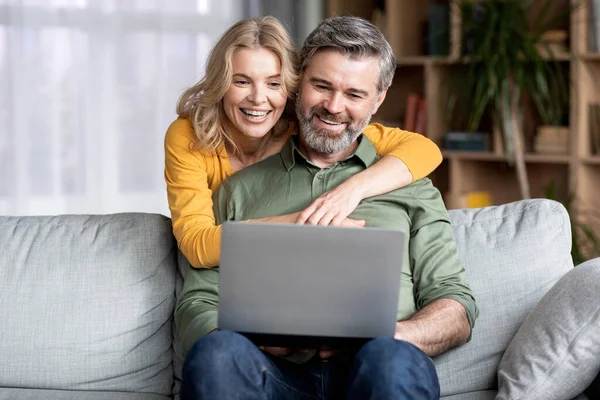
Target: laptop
{"type": "Point", "coordinates": [306, 286]}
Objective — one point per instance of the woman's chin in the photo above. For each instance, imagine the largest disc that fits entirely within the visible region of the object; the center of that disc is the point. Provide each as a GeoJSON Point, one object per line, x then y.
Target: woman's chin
{"type": "Point", "coordinates": [256, 133]}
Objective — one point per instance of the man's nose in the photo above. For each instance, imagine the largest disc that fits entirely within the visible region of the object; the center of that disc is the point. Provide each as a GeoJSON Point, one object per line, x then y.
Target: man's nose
{"type": "Point", "coordinates": [257, 95]}
{"type": "Point", "coordinates": [334, 103]}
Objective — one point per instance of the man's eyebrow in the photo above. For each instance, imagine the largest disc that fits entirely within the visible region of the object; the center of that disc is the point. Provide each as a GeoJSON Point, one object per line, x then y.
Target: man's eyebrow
{"type": "Point", "coordinates": [359, 91]}
{"type": "Point", "coordinates": [320, 80]}
{"type": "Point", "coordinates": [247, 77]}
{"type": "Point", "coordinates": [327, 83]}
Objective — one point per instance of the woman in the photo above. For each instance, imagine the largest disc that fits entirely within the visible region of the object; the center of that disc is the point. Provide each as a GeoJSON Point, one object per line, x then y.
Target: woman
{"type": "Point", "coordinates": [234, 117]}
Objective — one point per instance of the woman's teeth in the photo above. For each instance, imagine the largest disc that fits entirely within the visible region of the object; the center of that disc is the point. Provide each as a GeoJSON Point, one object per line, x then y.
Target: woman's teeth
{"type": "Point", "coordinates": [255, 114]}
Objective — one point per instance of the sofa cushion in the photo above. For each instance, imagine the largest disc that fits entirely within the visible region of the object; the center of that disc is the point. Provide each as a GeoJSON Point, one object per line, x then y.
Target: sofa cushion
{"type": "Point", "coordinates": [480, 395]}
{"type": "Point", "coordinates": [42, 394]}
{"type": "Point", "coordinates": [86, 302]}
{"type": "Point", "coordinates": [513, 254]}
{"type": "Point", "coordinates": [556, 352]}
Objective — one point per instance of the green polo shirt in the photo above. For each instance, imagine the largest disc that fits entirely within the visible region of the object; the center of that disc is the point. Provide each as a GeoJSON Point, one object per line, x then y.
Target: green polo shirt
{"type": "Point", "coordinates": [287, 182]}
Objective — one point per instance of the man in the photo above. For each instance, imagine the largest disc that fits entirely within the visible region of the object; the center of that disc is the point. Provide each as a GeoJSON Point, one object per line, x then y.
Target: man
{"type": "Point", "coordinates": [347, 67]}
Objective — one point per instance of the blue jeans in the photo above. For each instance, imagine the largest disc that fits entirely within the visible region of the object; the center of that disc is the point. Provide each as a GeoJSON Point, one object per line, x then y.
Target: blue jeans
{"type": "Point", "coordinates": [226, 365]}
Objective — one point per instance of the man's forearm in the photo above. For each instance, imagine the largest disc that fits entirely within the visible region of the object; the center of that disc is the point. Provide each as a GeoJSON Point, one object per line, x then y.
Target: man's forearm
{"type": "Point", "coordinates": [439, 326]}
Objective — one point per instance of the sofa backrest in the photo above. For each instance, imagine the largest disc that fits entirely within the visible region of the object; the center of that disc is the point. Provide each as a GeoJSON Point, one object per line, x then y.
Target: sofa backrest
{"type": "Point", "coordinates": [513, 254]}
{"type": "Point", "coordinates": [86, 302]}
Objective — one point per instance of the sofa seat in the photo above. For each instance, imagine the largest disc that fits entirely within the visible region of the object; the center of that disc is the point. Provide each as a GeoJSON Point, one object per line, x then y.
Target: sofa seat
{"type": "Point", "coordinates": [479, 395]}
{"type": "Point", "coordinates": [44, 394]}
{"type": "Point", "coordinates": [483, 395]}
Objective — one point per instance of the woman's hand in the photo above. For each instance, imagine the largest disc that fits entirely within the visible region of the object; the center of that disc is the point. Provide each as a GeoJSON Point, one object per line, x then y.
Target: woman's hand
{"type": "Point", "coordinates": [293, 219]}
{"type": "Point", "coordinates": [334, 206]}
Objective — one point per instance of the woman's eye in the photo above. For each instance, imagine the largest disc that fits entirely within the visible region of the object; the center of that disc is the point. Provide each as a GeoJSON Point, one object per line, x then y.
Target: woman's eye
{"type": "Point", "coordinates": [275, 84]}
{"type": "Point", "coordinates": [240, 82]}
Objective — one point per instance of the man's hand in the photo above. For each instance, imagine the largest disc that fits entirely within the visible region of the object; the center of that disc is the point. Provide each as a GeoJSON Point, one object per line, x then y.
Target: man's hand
{"type": "Point", "coordinates": [277, 351]}
{"type": "Point", "coordinates": [282, 351]}
{"type": "Point", "coordinates": [325, 352]}
{"type": "Point", "coordinates": [333, 207]}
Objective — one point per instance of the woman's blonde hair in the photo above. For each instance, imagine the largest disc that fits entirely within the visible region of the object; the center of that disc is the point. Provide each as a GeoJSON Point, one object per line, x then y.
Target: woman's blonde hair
{"type": "Point", "coordinates": [202, 103]}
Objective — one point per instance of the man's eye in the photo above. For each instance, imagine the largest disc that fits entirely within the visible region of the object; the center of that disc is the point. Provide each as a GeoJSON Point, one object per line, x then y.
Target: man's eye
{"type": "Point", "coordinates": [355, 96]}
{"type": "Point", "coordinates": [321, 87]}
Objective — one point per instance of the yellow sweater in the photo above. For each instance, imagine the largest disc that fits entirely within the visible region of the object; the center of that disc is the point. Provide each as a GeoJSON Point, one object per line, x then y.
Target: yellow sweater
{"type": "Point", "coordinates": [192, 176]}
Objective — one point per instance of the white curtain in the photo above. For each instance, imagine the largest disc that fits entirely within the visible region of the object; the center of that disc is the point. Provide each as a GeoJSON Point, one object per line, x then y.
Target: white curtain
{"type": "Point", "coordinates": [87, 90]}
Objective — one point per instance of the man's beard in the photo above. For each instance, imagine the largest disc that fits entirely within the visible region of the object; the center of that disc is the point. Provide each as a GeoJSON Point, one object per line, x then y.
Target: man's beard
{"type": "Point", "coordinates": [324, 141]}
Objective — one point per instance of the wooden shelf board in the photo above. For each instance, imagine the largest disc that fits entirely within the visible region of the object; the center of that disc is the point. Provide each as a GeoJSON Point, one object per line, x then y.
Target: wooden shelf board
{"type": "Point", "coordinates": [448, 60]}
{"type": "Point", "coordinates": [493, 157]}
{"type": "Point", "coordinates": [590, 56]}
{"type": "Point", "coordinates": [473, 155]}
{"type": "Point", "coordinates": [412, 60]}
{"type": "Point", "coordinates": [547, 158]}
{"type": "Point", "coordinates": [561, 57]}
{"type": "Point", "coordinates": [423, 60]}
{"type": "Point", "coordinates": [592, 160]}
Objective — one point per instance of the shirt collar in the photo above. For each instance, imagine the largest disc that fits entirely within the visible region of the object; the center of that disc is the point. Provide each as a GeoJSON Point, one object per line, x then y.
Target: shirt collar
{"type": "Point", "coordinates": [365, 153]}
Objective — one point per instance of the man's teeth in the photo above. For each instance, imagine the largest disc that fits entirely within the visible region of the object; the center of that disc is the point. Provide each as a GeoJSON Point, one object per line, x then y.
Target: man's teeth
{"type": "Point", "coordinates": [330, 122]}
{"type": "Point", "coordinates": [255, 114]}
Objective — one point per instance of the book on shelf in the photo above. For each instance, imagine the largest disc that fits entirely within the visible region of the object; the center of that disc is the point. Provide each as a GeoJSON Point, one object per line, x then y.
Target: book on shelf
{"type": "Point", "coordinates": [594, 126]}
{"type": "Point", "coordinates": [415, 119]}
{"type": "Point", "coordinates": [438, 29]}
{"type": "Point", "coordinates": [467, 141]}
{"type": "Point", "coordinates": [421, 119]}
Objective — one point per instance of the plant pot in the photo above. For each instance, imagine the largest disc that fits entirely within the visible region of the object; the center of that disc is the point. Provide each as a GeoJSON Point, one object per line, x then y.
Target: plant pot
{"type": "Point", "coordinates": [552, 140]}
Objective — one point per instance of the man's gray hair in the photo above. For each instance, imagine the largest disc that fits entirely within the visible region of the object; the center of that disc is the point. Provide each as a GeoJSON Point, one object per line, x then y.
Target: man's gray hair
{"type": "Point", "coordinates": [354, 37]}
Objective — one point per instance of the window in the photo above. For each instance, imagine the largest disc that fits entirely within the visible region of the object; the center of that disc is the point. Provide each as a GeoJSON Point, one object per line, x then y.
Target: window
{"type": "Point", "coordinates": [87, 91]}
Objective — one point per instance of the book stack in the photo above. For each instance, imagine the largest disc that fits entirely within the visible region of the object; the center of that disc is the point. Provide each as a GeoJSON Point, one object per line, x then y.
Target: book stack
{"type": "Point", "coordinates": [552, 140]}
{"type": "Point", "coordinates": [594, 115]}
{"type": "Point", "coordinates": [467, 141]}
{"type": "Point", "coordinates": [416, 114]}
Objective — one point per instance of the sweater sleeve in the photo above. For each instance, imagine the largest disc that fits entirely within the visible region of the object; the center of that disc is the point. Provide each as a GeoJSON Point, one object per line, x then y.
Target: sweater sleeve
{"type": "Point", "coordinates": [420, 154]}
{"type": "Point", "coordinates": [189, 197]}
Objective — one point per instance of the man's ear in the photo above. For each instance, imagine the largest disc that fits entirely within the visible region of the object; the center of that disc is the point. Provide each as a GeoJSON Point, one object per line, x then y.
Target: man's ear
{"type": "Point", "coordinates": [379, 100]}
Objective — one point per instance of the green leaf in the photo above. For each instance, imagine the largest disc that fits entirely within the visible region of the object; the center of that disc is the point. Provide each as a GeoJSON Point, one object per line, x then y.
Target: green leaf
{"type": "Point", "coordinates": [506, 52]}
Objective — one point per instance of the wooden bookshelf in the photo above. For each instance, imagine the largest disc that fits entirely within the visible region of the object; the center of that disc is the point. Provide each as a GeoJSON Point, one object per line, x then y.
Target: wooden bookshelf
{"type": "Point", "coordinates": [575, 173]}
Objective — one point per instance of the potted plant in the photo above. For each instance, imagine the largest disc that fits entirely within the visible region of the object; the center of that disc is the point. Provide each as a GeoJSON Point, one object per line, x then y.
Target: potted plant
{"type": "Point", "coordinates": [504, 64]}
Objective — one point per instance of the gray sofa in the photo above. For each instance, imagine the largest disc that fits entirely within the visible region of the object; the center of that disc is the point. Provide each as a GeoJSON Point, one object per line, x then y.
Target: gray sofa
{"type": "Point", "coordinates": [86, 302]}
